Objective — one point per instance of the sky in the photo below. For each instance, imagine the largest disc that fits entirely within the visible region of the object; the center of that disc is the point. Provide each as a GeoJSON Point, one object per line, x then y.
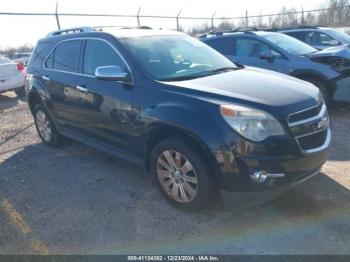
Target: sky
{"type": "Point", "coordinates": [19, 30]}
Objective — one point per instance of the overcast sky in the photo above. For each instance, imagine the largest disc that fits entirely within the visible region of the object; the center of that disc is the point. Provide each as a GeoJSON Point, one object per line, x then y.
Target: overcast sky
{"type": "Point", "coordinates": [18, 30]}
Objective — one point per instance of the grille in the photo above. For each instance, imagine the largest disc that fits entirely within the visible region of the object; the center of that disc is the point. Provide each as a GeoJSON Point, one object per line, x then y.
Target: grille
{"type": "Point", "coordinates": [305, 114]}
{"type": "Point", "coordinates": [313, 141]}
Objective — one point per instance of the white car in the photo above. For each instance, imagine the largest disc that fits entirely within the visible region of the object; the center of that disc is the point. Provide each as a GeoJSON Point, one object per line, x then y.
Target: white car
{"type": "Point", "coordinates": [21, 58]}
{"type": "Point", "coordinates": [11, 76]}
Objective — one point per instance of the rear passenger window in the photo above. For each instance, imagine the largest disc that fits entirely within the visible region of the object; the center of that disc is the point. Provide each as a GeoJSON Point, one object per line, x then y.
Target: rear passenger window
{"type": "Point", "coordinates": [65, 57]}
{"type": "Point", "coordinates": [224, 45]}
{"type": "Point", "coordinates": [298, 35]}
{"type": "Point", "coordinates": [99, 53]}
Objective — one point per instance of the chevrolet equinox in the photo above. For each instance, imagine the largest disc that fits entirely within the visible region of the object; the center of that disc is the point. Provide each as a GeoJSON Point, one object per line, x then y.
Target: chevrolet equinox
{"type": "Point", "coordinates": [203, 126]}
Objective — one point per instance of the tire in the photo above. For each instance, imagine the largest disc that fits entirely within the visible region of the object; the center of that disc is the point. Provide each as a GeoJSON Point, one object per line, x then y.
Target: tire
{"type": "Point", "coordinates": [327, 95]}
{"type": "Point", "coordinates": [180, 171]}
{"type": "Point", "coordinates": [20, 91]}
{"type": "Point", "coordinates": [45, 127]}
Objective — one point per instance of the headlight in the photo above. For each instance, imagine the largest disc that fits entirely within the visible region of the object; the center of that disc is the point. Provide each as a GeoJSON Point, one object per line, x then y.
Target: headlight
{"type": "Point", "coordinates": [251, 123]}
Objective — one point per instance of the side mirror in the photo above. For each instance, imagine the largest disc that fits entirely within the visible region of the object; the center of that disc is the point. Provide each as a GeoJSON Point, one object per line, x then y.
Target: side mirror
{"type": "Point", "coordinates": [334, 42]}
{"type": "Point", "coordinates": [111, 73]}
{"type": "Point", "coordinates": [267, 55]}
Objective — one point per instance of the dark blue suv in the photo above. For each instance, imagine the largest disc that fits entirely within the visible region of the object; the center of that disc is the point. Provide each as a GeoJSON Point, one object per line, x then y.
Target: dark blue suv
{"type": "Point", "coordinates": [328, 69]}
{"type": "Point", "coordinates": [164, 100]}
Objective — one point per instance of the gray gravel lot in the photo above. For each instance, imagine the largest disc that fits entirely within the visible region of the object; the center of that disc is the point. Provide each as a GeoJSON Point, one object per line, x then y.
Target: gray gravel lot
{"type": "Point", "coordinates": [77, 200]}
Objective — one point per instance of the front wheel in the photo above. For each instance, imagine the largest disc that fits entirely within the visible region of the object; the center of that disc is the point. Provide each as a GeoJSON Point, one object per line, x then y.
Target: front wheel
{"type": "Point", "coordinates": [182, 175]}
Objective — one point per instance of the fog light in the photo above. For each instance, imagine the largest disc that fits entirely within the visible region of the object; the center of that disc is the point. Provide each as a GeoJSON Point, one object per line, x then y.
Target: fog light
{"type": "Point", "coordinates": [259, 176]}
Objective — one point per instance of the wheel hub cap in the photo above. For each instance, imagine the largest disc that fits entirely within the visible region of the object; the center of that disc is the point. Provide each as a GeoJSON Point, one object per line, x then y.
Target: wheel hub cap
{"type": "Point", "coordinates": [177, 176]}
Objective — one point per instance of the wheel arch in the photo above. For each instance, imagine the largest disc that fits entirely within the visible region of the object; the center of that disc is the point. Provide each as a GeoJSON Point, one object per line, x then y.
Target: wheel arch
{"type": "Point", "coordinates": [161, 131]}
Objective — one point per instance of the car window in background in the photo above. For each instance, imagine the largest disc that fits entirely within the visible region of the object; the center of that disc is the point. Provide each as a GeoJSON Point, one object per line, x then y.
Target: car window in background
{"type": "Point", "coordinates": [98, 53]}
{"type": "Point", "coordinates": [5, 60]}
{"type": "Point", "coordinates": [248, 47]}
{"type": "Point", "coordinates": [317, 39]}
{"type": "Point", "coordinates": [224, 45]}
{"type": "Point", "coordinates": [298, 35]}
{"type": "Point", "coordinates": [289, 44]}
{"type": "Point", "coordinates": [66, 56]}
{"type": "Point", "coordinates": [170, 57]}
{"type": "Point", "coordinates": [345, 38]}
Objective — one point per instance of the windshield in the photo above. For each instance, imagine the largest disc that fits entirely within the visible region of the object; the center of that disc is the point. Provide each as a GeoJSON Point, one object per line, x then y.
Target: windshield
{"type": "Point", "coordinates": [171, 58]}
{"type": "Point", "coordinates": [289, 44]}
{"type": "Point", "coordinates": [343, 37]}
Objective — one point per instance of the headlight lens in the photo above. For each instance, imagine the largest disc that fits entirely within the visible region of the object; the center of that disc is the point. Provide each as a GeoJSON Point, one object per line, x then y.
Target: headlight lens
{"type": "Point", "coordinates": [251, 123]}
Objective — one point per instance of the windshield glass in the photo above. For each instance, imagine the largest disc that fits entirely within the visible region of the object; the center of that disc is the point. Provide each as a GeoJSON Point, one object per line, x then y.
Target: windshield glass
{"type": "Point", "coordinates": [176, 57]}
{"type": "Point", "coordinates": [343, 37]}
{"type": "Point", "coordinates": [289, 44]}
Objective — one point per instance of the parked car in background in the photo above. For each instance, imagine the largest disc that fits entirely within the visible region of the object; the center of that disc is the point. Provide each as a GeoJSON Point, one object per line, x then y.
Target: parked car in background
{"type": "Point", "coordinates": [327, 69]}
{"type": "Point", "coordinates": [21, 58]}
{"type": "Point", "coordinates": [318, 37]}
{"type": "Point", "coordinates": [11, 76]}
{"type": "Point", "coordinates": [164, 100]}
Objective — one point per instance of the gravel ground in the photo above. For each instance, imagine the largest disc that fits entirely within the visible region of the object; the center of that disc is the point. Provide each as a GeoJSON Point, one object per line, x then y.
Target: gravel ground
{"type": "Point", "coordinates": [77, 200]}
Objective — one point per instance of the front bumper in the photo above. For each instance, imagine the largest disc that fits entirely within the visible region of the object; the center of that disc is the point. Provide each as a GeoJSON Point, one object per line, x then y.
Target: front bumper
{"type": "Point", "coordinates": [248, 199]}
{"type": "Point", "coordinates": [341, 93]}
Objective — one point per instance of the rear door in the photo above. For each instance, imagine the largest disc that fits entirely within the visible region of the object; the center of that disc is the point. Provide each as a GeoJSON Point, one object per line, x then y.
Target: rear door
{"type": "Point", "coordinates": [105, 105]}
{"type": "Point", "coordinates": [60, 76]}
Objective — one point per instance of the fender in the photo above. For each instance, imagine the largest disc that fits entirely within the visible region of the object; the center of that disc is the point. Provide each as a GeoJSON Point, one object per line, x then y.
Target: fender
{"type": "Point", "coordinates": [309, 72]}
{"type": "Point", "coordinates": [177, 119]}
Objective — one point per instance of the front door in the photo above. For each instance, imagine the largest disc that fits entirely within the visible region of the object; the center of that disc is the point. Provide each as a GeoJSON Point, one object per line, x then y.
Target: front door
{"type": "Point", "coordinates": [247, 52]}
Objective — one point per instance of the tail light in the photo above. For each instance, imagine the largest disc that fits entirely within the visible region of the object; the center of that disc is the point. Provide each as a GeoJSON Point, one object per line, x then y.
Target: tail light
{"type": "Point", "coordinates": [20, 67]}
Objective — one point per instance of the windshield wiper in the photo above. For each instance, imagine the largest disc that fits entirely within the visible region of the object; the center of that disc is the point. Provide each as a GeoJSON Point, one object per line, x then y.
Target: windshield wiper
{"type": "Point", "coordinates": [202, 74]}
{"type": "Point", "coordinates": [181, 78]}
{"type": "Point", "coordinates": [223, 69]}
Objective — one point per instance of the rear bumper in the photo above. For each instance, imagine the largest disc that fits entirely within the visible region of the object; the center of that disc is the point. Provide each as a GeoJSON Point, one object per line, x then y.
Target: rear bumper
{"type": "Point", "coordinates": [10, 83]}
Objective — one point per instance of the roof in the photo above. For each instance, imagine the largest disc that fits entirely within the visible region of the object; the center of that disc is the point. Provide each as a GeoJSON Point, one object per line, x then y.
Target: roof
{"type": "Point", "coordinates": [129, 33]}
{"type": "Point", "coordinates": [119, 32]}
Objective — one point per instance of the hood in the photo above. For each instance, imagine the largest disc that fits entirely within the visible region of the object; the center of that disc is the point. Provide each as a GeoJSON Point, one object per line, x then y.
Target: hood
{"type": "Point", "coordinates": [253, 86]}
{"type": "Point", "coordinates": [334, 51]}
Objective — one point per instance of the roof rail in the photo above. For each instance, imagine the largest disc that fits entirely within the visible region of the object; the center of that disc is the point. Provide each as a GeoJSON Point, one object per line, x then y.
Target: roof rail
{"type": "Point", "coordinates": [122, 27]}
{"type": "Point", "coordinates": [234, 30]}
{"type": "Point", "coordinates": [293, 27]}
{"type": "Point", "coordinates": [71, 31]}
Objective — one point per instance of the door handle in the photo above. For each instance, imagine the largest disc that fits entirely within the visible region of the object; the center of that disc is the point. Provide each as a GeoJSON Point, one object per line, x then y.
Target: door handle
{"type": "Point", "coordinates": [46, 78]}
{"type": "Point", "coordinates": [82, 89]}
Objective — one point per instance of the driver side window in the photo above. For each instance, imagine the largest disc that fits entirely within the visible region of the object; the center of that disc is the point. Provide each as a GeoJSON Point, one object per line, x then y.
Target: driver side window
{"type": "Point", "coordinates": [99, 53]}
{"type": "Point", "coordinates": [249, 47]}
{"type": "Point", "coordinates": [317, 39]}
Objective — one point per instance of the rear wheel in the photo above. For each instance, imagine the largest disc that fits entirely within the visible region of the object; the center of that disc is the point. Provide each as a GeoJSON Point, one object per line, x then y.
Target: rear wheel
{"type": "Point", "coordinates": [45, 126]}
{"type": "Point", "coordinates": [182, 175]}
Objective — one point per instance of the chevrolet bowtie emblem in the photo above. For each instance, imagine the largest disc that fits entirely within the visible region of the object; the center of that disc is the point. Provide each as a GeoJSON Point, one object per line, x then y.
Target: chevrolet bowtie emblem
{"type": "Point", "coordinates": [323, 123]}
